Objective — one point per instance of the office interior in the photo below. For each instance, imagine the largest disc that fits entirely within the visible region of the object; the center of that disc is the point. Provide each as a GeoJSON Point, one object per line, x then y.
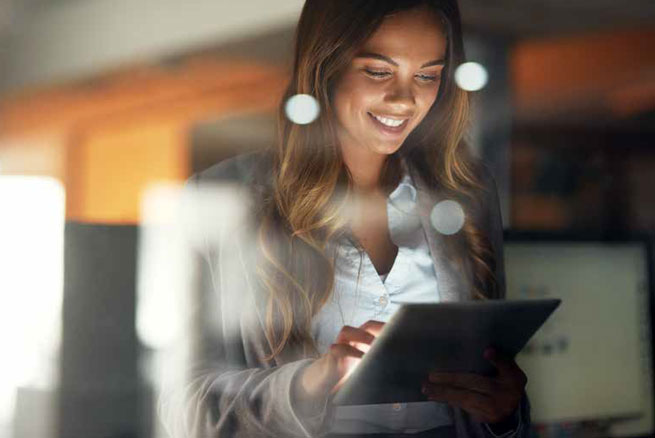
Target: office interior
{"type": "Point", "coordinates": [106, 104]}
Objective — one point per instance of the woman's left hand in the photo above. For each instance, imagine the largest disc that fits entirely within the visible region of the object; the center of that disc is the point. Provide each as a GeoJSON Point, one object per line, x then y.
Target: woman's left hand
{"type": "Point", "coordinates": [486, 399]}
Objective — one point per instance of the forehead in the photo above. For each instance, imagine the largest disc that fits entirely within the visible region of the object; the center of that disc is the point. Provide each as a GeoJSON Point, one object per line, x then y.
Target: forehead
{"type": "Point", "coordinates": [416, 33]}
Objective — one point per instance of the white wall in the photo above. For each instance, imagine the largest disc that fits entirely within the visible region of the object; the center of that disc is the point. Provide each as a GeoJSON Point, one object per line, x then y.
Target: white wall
{"type": "Point", "coordinates": [77, 38]}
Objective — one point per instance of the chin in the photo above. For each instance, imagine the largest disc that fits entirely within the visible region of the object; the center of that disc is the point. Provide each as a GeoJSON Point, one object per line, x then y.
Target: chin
{"type": "Point", "coordinates": [387, 149]}
{"type": "Point", "coordinates": [390, 151]}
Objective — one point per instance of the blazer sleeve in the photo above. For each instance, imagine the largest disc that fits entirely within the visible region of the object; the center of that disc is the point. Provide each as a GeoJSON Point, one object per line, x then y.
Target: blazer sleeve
{"type": "Point", "coordinates": [237, 393]}
{"type": "Point", "coordinates": [494, 226]}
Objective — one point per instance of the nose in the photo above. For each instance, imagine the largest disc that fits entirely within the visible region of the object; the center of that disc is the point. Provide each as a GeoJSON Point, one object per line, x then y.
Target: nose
{"type": "Point", "coordinates": [400, 97]}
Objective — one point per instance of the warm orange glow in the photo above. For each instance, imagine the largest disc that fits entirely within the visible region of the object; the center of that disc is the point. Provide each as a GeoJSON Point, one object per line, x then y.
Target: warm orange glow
{"type": "Point", "coordinates": [119, 133]}
{"type": "Point", "coordinates": [40, 154]}
{"type": "Point", "coordinates": [633, 98]}
{"type": "Point", "coordinates": [540, 212]}
{"type": "Point", "coordinates": [117, 164]}
{"type": "Point", "coordinates": [579, 71]}
{"type": "Point", "coordinates": [184, 93]}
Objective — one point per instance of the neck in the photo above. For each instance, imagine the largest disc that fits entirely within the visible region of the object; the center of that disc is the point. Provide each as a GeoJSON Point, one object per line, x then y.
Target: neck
{"type": "Point", "coordinates": [365, 168]}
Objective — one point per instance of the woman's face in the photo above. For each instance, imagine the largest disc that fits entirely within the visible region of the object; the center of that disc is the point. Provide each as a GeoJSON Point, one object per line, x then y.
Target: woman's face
{"type": "Point", "coordinates": [391, 83]}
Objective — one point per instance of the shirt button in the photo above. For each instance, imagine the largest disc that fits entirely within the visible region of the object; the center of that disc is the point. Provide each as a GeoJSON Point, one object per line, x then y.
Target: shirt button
{"type": "Point", "coordinates": [397, 406]}
{"type": "Point", "coordinates": [383, 300]}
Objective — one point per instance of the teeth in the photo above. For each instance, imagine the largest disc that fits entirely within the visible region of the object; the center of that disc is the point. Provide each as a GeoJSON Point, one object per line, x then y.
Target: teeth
{"type": "Point", "coordinates": [389, 122]}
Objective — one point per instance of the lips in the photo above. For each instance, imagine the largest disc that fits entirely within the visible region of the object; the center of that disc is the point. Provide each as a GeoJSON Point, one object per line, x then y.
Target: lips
{"type": "Point", "coordinates": [389, 130]}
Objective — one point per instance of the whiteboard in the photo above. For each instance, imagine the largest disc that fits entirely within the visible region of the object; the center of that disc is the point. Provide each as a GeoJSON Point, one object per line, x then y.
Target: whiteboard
{"type": "Point", "coordinates": [591, 360]}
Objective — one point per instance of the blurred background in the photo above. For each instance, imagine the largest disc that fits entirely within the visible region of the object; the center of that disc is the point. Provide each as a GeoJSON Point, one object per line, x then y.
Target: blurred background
{"type": "Point", "coordinates": [99, 100]}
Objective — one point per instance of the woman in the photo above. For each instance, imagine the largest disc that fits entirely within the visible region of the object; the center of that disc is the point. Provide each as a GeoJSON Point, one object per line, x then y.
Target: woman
{"type": "Point", "coordinates": [390, 133]}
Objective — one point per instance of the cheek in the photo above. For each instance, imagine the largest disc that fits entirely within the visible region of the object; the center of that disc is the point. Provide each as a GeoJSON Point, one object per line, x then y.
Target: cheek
{"type": "Point", "coordinates": [358, 90]}
{"type": "Point", "coordinates": [353, 99]}
{"type": "Point", "coordinates": [342, 97]}
{"type": "Point", "coordinates": [428, 97]}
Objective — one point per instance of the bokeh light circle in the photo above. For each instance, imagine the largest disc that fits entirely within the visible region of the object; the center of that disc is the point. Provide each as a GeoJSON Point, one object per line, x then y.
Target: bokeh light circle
{"type": "Point", "coordinates": [471, 76]}
{"type": "Point", "coordinates": [447, 217]}
{"type": "Point", "coordinates": [302, 109]}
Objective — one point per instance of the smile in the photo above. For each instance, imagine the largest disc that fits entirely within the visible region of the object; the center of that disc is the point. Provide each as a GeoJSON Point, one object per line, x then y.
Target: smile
{"type": "Point", "coordinates": [388, 124]}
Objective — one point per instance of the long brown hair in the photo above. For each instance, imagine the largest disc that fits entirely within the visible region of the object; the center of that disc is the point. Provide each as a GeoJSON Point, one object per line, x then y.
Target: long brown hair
{"type": "Point", "coordinates": [303, 217]}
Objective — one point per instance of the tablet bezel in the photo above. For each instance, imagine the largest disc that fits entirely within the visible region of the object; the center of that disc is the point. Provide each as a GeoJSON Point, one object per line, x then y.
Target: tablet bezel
{"type": "Point", "coordinates": [461, 329]}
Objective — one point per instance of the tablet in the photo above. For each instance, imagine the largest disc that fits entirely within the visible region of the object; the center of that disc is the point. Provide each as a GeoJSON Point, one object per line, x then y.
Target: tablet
{"type": "Point", "coordinates": [452, 336]}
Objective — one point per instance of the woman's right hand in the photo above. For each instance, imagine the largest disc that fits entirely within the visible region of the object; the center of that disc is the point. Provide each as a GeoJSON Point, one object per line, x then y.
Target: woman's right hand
{"type": "Point", "coordinates": [327, 374]}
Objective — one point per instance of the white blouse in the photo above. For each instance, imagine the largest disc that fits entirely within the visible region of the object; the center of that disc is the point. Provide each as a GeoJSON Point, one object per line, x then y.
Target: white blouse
{"type": "Point", "coordinates": [360, 294]}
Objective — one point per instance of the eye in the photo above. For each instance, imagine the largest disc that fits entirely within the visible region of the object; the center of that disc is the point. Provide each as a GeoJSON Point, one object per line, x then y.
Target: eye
{"type": "Point", "coordinates": [376, 73]}
{"type": "Point", "coordinates": [429, 78]}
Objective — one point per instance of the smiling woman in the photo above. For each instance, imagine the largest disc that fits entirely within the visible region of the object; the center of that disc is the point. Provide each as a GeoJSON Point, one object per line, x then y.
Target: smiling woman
{"type": "Point", "coordinates": [344, 236]}
{"type": "Point", "coordinates": [390, 84]}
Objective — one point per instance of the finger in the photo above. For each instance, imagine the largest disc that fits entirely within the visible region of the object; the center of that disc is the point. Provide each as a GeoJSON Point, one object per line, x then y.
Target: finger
{"type": "Point", "coordinates": [350, 334]}
{"type": "Point", "coordinates": [471, 381]}
{"type": "Point", "coordinates": [346, 358]}
{"type": "Point", "coordinates": [372, 327]}
{"type": "Point", "coordinates": [340, 351]}
{"type": "Point", "coordinates": [470, 401]}
{"type": "Point", "coordinates": [507, 367]}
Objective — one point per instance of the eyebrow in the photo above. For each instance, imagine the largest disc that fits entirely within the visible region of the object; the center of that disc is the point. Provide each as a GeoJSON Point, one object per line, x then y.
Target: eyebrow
{"type": "Point", "coordinates": [384, 58]}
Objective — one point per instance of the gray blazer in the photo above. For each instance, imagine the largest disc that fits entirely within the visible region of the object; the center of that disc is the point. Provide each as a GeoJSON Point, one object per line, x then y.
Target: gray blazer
{"type": "Point", "coordinates": [242, 395]}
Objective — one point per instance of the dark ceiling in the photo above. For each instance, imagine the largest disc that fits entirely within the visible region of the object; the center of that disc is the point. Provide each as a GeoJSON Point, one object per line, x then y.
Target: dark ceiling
{"type": "Point", "coordinates": [525, 18]}
{"type": "Point", "coordinates": [516, 17]}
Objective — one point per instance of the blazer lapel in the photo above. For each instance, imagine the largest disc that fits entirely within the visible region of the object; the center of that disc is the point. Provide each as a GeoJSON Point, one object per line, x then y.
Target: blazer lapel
{"type": "Point", "coordinates": [452, 284]}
